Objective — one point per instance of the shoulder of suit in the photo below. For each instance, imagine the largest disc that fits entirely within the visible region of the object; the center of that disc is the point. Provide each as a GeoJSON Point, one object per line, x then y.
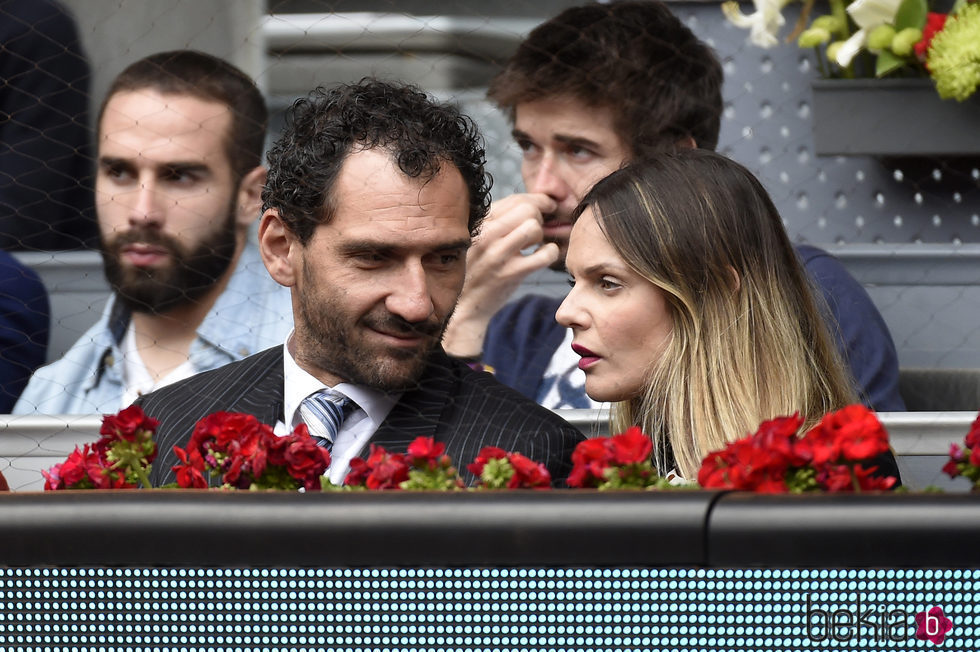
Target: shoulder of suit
{"type": "Point", "coordinates": [261, 362]}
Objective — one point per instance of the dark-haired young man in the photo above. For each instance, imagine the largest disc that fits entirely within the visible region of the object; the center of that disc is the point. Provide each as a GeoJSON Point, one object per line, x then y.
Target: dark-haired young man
{"type": "Point", "coordinates": [588, 91]}
{"type": "Point", "coordinates": [178, 185]}
{"type": "Point", "coordinates": [372, 197]}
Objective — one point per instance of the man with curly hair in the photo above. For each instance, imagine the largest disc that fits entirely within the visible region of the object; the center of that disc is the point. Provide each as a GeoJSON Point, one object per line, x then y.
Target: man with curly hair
{"type": "Point", "coordinates": [588, 91]}
{"type": "Point", "coordinates": [373, 194]}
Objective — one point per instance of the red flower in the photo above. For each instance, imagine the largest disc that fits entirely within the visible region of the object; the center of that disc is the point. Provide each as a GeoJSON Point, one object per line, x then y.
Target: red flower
{"type": "Point", "coordinates": [755, 468]}
{"type": "Point", "coordinates": [486, 454]}
{"type": "Point", "coordinates": [965, 461]}
{"type": "Point", "coordinates": [528, 474]}
{"type": "Point", "coordinates": [85, 468]}
{"type": "Point", "coordinates": [859, 432]}
{"type": "Point", "coordinates": [835, 477]}
{"type": "Point", "coordinates": [304, 460]}
{"type": "Point", "coordinates": [714, 471]}
{"type": "Point", "coordinates": [972, 439]}
{"type": "Point", "coordinates": [775, 459]}
{"type": "Point", "coordinates": [382, 470]}
{"type": "Point", "coordinates": [779, 437]}
{"type": "Point", "coordinates": [630, 447]}
{"type": "Point", "coordinates": [425, 452]}
{"type": "Point", "coordinates": [590, 459]}
{"type": "Point", "coordinates": [934, 24]}
{"type": "Point", "coordinates": [127, 423]}
{"type": "Point", "coordinates": [819, 446]}
{"type": "Point", "coordinates": [842, 477]}
{"type": "Point", "coordinates": [867, 481]}
{"type": "Point", "coordinates": [190, 472]}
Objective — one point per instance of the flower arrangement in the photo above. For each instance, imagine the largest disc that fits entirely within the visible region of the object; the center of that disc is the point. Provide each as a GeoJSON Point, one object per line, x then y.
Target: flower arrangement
{"type": "Point", "coordinates": [965, 461]}
{"type": "Point", "coordinates": [427, 467]}
{"type": "Point", "coordinates": [898, 38]}
{"type": "Point", "coordinates": [120, 459]}
{"type": "Point", "coordinates": [830, 457]}
{"type": "Point", "coordinates": [618, 462]}
{"type": "Point", "coordinates": [241, 453]}
{"type": "Point", "coordinates": [236, 451]}
{"type": "Point", "coordinates": [231, 450]}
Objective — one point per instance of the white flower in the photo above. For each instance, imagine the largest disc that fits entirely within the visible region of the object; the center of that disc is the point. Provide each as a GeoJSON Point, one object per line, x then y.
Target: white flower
{"type": "Point", "coordinates": [866, 14]}
{"type": "Point", "coordinates": [764, 23]}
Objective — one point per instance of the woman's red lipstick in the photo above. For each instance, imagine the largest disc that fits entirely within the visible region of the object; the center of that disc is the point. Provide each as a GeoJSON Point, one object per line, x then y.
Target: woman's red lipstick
{"type": "Point", "coordinates": [588, 357]}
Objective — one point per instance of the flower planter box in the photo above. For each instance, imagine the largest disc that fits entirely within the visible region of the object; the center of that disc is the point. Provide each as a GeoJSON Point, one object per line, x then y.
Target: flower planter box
{"type": "Point", "coordinates": [892, 118]}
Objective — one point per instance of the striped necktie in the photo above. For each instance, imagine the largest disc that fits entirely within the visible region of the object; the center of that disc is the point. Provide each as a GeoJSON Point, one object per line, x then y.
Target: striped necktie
{"type": "Point", "coordinates": [323, 412]}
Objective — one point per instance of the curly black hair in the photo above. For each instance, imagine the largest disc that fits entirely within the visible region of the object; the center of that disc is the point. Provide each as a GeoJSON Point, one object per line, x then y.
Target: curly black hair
{"type": "Point", "coordinates": [323, 128]}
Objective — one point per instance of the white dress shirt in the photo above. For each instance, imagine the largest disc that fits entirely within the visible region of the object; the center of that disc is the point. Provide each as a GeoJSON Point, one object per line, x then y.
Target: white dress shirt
{"type": "Point", "coordinates": [373, 407]}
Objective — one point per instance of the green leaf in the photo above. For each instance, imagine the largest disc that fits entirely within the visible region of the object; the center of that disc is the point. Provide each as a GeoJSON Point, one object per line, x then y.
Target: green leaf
{"type": "Point", "coordinates": [911, 13]}
{"type": "Point", "coordinates": [888, 62]}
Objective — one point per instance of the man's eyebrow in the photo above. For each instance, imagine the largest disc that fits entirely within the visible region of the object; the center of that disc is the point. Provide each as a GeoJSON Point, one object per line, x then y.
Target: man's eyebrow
{"type": "Point", "coordinates": [112, 161]}
{"type": "Point", "coordinates": [360, 246]}
{"type": "Point", "coordinates": [180, 166]}
{"type": "Point", "coordinates": [577, 141]}
{"type": "Point", "coordinates": [186, 166]}
{"type": "Point", "coordinates": [565, 139]}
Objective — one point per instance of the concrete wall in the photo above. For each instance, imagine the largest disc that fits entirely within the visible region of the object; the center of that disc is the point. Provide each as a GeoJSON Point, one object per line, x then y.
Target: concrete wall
{"type": "Point", "coordinates": [117, 32]}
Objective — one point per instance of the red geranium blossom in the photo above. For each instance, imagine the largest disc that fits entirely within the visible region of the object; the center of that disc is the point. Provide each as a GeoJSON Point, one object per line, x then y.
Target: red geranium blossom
{"type": "Point", "coordinates": [495, 468]}
{"type": "Point", "coordinates": [618, 462]}
{"type": "Point", "coordinates": [775, 459]}
{"type": "Point", "coordinates": [425, 452]}
{"type": "Point", "coordinates": [246, 454]}
{"type": "Point", "coordinates": [85, 468]}
{"type": "Point", "coordinates": [965, 461]}
{"type": "Point", "coordinates": [381, 470]}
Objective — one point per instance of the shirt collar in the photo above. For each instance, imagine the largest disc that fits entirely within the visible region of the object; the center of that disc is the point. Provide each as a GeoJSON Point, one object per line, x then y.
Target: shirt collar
{"type": "Point", "coordinates": [298, 384]}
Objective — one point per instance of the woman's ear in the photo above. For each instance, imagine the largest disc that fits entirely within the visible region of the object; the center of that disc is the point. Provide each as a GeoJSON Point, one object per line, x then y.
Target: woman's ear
{"type": "Point", "coordinates": [279, 248]}
{"type": "Point", "coordinates": [736, 279]}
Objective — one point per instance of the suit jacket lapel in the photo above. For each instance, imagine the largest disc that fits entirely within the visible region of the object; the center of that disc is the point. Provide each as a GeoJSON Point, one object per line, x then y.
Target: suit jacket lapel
{"type": "Point", "coordinates": [420, 410]}
{"type": "Point", "coordinates": [263, 398]}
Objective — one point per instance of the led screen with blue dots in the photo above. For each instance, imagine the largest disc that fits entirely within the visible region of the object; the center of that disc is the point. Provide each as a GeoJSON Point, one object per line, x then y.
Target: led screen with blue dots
{"type": "Point", "coordinates": [594, 609]}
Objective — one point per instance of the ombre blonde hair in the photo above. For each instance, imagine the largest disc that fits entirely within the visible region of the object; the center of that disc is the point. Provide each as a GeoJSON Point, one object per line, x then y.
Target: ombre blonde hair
{"type": "Point", "coordinates": [749, 341]}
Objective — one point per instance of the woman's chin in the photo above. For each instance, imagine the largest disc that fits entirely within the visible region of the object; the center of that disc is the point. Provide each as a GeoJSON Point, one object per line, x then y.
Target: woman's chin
{"type": "Point", "coordinates": [607, 394]}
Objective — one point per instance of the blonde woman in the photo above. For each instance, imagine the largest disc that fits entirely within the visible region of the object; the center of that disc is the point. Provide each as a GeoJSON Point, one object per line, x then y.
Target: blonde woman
{"type": "Point", "coordinates": [691, 311]}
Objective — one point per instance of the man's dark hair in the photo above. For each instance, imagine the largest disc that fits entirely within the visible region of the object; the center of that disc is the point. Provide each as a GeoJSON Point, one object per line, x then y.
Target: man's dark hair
{"type": "Point", "coordinates": [325, 126]}
{"type": "Point", "coordinates": [200, 75]}
{"type": "Point", "coordinates": [636, 59]}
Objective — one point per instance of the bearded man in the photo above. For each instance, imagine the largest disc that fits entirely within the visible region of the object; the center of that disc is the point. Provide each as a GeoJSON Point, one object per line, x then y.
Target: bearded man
{"type": "Point", "coordinates": [178, 185]}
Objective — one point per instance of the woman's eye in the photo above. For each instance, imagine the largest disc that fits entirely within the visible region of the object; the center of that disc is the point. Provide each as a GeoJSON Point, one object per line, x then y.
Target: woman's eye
{"type": "Point", "coordinates": [609, 284]}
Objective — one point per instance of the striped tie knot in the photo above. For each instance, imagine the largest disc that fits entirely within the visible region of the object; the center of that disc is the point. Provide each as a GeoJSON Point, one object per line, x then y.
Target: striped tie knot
{"type": "Point", "coordinates": [323, 412]}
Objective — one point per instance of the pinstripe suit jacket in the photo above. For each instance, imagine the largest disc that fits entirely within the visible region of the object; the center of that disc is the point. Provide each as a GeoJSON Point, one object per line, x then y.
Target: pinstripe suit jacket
{"type": "Point", "coordinates": [464, 409]}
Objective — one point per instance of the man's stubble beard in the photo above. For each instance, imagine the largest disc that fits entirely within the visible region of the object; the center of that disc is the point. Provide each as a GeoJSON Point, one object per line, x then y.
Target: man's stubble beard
{"type": "Point", "coordinates": [188, 277]}
{"type": "Point", "coordinates": [333, 343]}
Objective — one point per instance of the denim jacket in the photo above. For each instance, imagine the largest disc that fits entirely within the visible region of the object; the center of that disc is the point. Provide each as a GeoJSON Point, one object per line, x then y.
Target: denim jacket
{"type": "Point", "coordinates": [252, 314]}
